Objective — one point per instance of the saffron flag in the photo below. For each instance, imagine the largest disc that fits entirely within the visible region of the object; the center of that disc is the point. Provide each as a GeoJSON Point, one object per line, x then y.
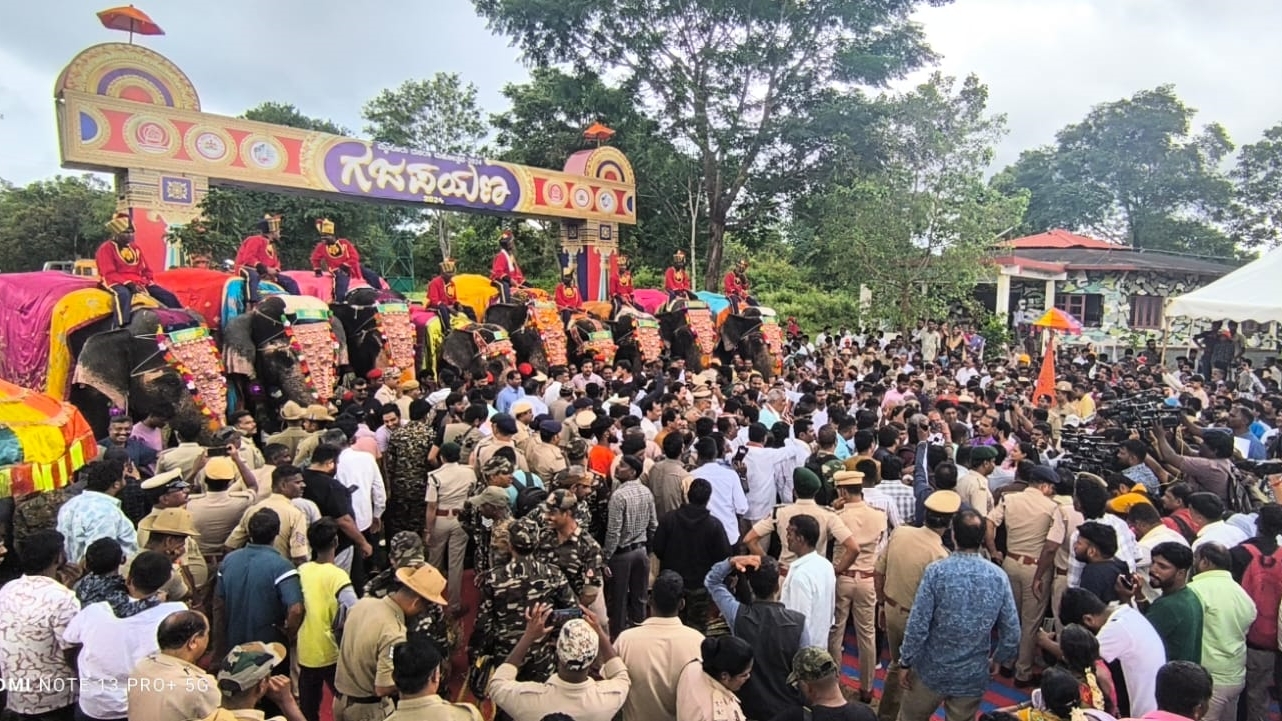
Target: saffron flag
{"type": "Point", "coordinates": [1046, 378]}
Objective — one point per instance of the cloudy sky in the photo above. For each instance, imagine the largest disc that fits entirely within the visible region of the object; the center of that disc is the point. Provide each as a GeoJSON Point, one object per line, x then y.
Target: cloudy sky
{"type": "Point", "coordinates": [1045, 61]}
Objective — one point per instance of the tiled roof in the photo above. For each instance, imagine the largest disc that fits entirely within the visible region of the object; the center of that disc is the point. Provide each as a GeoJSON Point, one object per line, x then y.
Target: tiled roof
{"type": "Point", "coordinates": [1122, 258]}
{"type": "Point", "coordinates": [1060, 238]}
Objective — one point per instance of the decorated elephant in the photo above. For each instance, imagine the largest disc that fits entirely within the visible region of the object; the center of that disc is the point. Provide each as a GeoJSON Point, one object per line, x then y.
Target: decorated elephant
{"type": "Point", "coordinates": [589, 339]}
{"type": "Point", "coordinates": [637, 337]}
{"type": "Point", "coordinates": [478, 349]}
{"type": "Point", "coordinates": [378, 330]}
{"type": "Point", "coordinates": [55, 337]}
{"type": "Point", "coordinates": [688, 331]}
{"type": "Point", "coordinates": [288, 349]}
{"type": "Point", "coordinates": [526, 340]}
{"type": "Point", "coordinates": [755, 335]}
{"type": "Point", "coordinates": [164, 357]}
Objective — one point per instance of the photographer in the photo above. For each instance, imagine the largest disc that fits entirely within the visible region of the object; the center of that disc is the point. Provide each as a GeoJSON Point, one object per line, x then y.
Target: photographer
{"type": "Point", "coordinates": [1209, 470]}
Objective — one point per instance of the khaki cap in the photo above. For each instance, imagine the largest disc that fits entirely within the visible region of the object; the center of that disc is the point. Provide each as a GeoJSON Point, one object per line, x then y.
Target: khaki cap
{"type": "Point", "coordinates": [318, 412]}
{"type": "Point", "coordinates": [847, 478]}
{"type": "Point", "coordinates": [176, 521]}
{"type": "Point", "coordinates": [291, 411]}
{"type": "Point", "coordinates": [169, 480]}
{"type": "Point", "coordinates": [943, 502]}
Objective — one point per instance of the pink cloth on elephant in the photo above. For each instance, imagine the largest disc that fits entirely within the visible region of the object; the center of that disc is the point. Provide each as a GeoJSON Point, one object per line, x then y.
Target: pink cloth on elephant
{"type": "Point", "coordinates": [310, 284]}
{"type": "Point", "coordinates": [650, 299]}
{"type": "Point", "coordinates": [25, 315]}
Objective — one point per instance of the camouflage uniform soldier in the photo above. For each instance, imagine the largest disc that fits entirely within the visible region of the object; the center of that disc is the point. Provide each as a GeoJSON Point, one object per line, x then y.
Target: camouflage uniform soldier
{"type": "Point", "coordinates": [577, 480]}
{"type": "Point", "coordinates": [406, 551]}
{"type": "Point", "coordinates": [597, 495]}
{"type": "Point", "coordinates": [564, 544]}
{"type": "Point", "coordinates": [512, 590]}
{"type": "Point", "coordinates": [490, 504]}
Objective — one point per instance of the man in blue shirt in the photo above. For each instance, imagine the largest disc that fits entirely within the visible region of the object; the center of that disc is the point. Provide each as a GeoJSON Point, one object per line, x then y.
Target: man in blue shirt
{"type": "Point", "coordinates": [945, 657]}
{"type": "Point", "coordinates": [511, 393]}
{"type": "Point", "coordinates": [259, 595]}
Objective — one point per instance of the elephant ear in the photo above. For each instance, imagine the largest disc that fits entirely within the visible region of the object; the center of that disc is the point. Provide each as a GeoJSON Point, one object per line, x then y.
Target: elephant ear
{"type": "Point", "coordinates": [336, 326]}
{"type": "Point", "coordinates": [239, 350]}
{"type": "Point", "coordinates": [96, 356]}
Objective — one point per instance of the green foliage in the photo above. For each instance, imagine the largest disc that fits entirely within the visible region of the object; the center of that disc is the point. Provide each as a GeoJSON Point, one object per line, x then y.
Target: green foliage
{"type": "Point", "coordinates": [545, 125]}
{"type": "Point", "coordinates": [918, 231]}
{"type": "Point", "coordinates": [739, 82]}
{"type": "Point", "coordinates": [997, 335]}
{"type": "Point", "coordinates": [1135, 171]}
{"type": "Point", "coordinates": [1257, 220]}
{"type": "Point", "coordinates": [48, 220]}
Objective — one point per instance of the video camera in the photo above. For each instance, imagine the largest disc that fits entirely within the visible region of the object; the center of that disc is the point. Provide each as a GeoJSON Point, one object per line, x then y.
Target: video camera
{"type": "Point", "coordinates": [1086, 452]}
{"type": "Point", "coordinates": [1144, 410]}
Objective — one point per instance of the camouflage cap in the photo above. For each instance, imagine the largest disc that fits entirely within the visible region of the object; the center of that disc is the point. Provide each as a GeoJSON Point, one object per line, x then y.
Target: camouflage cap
{"type": "Point", "coordinates": [570, 475]}
{"type": "Point", "coordinates": [811, 664]}
{"type": "Point", "coordinates": [576, 646]}
{"type": "Point", "coordinates": [406, 549]}
{"type": "Point", "coordinates": [491, 496]}
{"type": "Point", "coordinates": [496, 465]}
{"type": "Point", "coordinates": [576, 449]}
{"type": "Point", "coordinates": [248, 664]}
{"type": "Point", "coordinates": [523, 535]}
{"type": "Point", "coordinates": [562, 500]}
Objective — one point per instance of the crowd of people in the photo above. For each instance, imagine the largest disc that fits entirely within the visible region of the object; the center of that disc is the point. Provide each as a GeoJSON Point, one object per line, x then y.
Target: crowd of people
{"type": "Point", "coordinates": [658, 543]}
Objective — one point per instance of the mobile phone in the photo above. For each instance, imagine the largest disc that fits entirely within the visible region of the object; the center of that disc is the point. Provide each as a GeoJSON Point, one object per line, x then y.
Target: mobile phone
{"type": "Point", "coordinates": [1048, 625]}
{"type": "Point", "coordinates": [1128, 581]}
{"type": "Point", "coordinates": [739, 454]}
{"type": "Point", "coordinates": [561, 615]}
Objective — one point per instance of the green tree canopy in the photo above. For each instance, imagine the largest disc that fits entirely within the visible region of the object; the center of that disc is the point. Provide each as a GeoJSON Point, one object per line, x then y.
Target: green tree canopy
{"type": "Point", "coordinates": [1257, 177]}
{"type": "Point", "coordinates": [735, 82]}
{"type": "Point", "coordinates": [1133, 171]}
{"type": "Point", "coordinates": [58, 219]}
{"type": "Point", "coordinates": [918, 231]}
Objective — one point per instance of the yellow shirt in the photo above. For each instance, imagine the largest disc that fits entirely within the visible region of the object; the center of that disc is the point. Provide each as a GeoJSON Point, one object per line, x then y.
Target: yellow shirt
{"type": "Point", "coordinates": [321, 583]}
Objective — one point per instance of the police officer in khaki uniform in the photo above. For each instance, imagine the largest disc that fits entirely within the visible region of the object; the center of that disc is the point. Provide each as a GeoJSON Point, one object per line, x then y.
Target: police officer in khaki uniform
{"type": "Point", "coordinates": [898, 573]}
{"type": "Point", "coordinates": [363, 678]}
{"type": "Point", "coordinates": [1028, 516]}
{"type": "Point", "coordinates": [292, 434]}
{"type": "Point", "coordinates": [315, 418]}
{"type": "Point", "coordinates": [545, 457]}
{"type": "Point", "coordinates": [856, 591]}
{"type": "Point", "coordinates": [168, 491]}
{"type": "Point", "coordinates": [216, 512]}
{"type": "Point", "coordinates": [416, 667]}
{"type": "Point", "coordinates": [448, 488]}
{"type": "Point", "coordinates": [805, 485]}
{"type": "Point", "coordinates": [504, 428]}
{"type": "Point", "coordinates": [523, 412]}
{"type": "Point", "coordinates": [291, 541]}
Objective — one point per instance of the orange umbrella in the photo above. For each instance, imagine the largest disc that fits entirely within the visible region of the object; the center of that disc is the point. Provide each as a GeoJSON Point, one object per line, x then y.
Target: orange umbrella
{"type": "Point", "coordinates": [1056, 319]}
{"type": "Point", "coordinates": [598, 132]}
{"type": "Point", "coordinates": [129, 19]}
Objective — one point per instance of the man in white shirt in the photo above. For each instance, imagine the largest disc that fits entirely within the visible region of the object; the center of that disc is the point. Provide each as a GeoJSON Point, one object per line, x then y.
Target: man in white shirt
{"type": "Point", "coordinates": [35, 610]}
{"type": "Point", "coordinates": [656, 652]}
{"type": "Point", "coordinates": [358, 471]}
{"type": "Point", "coordinates": [1207, 509]}
{"type": "Point", "coordinates": [768, 472]}
{"type": "Point", "coordinates": [1144, 518]}
{"type": "Point", "coordinates": [110, 646]}
{"type": "Point", "coordinates": [1124, 636]}
{"type": "Point", "coordinates": [811, 585]}
{"type": "Point", "coordinates": [728, 502]}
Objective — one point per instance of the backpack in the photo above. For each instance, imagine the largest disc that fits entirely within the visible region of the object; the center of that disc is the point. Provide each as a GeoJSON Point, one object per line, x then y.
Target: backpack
{"type": "Point", "coordinates": [528, 496]}
{"type": "Point", "coordinates": [1244, 491]}
{"type": "Point", "coordinates": [1262, 581]}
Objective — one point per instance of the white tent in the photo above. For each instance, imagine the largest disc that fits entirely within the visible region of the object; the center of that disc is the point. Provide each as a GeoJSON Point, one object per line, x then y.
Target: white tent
{"type": "Point", "coordinates": [1247, 293]}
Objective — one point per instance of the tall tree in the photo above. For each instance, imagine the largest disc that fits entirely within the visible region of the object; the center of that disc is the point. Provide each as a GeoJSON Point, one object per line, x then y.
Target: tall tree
{"type": "Point", "coordinates": [57, 219]}
{"type": "Point", "coordinates": [735, 81]}
{"type": "Point", "coordinates": [917, 231]}
{"type": "Point", "coordinates": [1257, 177]}
{"type": "Point", "coordinates": [1133, 170]}
{"type": "Point", "coordinates": [545, 124]}
{"type": "Point", "coordinates": [438, 115]}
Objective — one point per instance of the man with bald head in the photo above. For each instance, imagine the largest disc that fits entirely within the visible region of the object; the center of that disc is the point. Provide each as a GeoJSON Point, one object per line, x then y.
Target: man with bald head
{"type": "Point", "coordinates": [168, 685]}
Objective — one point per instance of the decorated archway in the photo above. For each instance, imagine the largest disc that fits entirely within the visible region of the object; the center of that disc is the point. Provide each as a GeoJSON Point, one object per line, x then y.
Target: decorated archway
{"type": "Point", "coordinates": [127, 110]}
